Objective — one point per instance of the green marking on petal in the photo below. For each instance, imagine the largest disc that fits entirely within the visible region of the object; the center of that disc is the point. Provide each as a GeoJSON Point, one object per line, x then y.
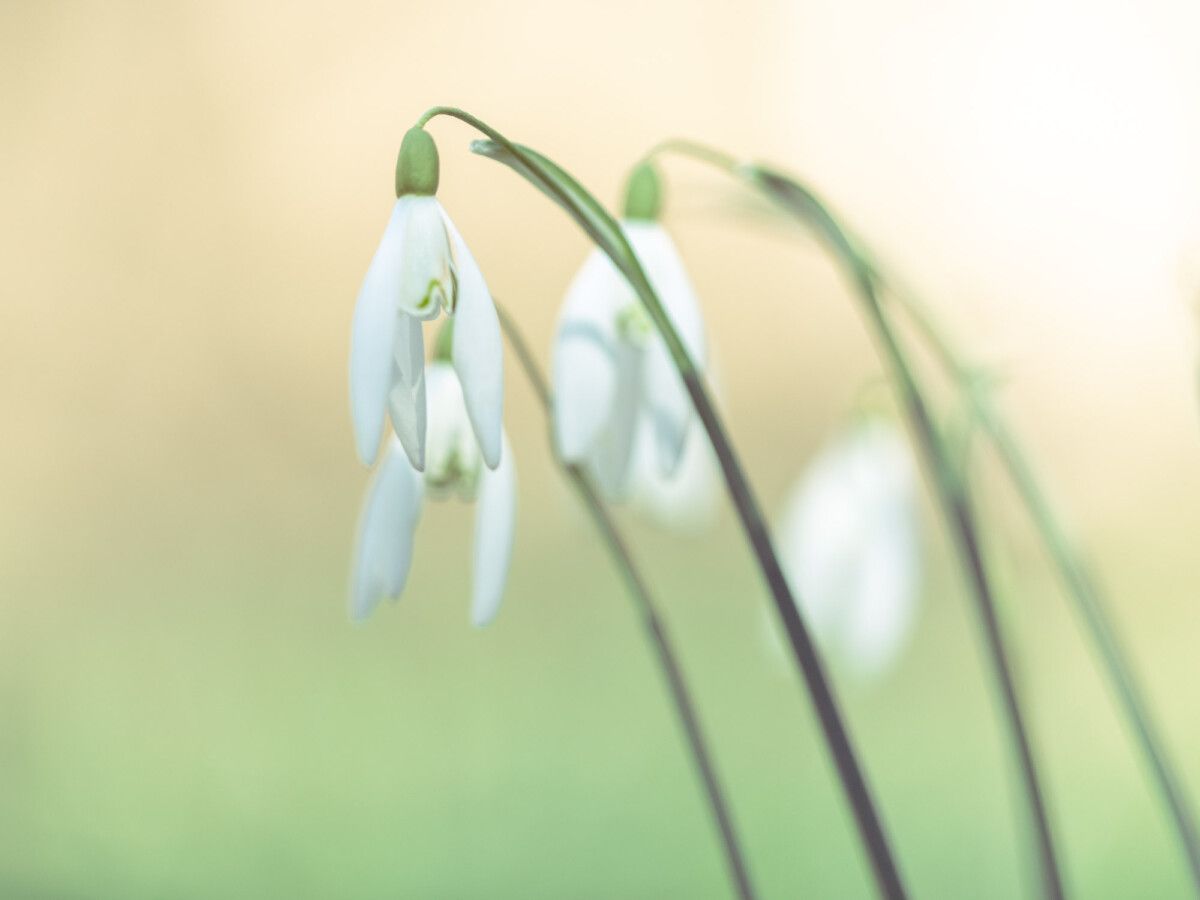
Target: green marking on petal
{"type": "Point", "coordinates": [445, 342]}
{"type": "Point", "coordinates": [634, 325]}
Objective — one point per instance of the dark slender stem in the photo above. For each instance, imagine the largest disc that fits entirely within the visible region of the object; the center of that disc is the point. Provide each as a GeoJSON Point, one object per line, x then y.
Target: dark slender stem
{"type": "Point", "coordinates": [1081, 587]}
{"type": "Point", "coordinates": [652, 623]}
{"type": "Point", "coordinates": [605, 232]}
{"type": "Point", "coordinates": [952, 494]}
{"type": "Point", "coordinates": [870, 826]}
{"type": "Point", "coordinates": [960, 518]}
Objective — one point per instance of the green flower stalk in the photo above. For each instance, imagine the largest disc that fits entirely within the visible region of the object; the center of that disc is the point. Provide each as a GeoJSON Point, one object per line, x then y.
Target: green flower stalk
{"type": "Point", "coordinates": [951, 490]}
{"type": "Point", "coordinates": [652, 622]}
{"type": "Point", "coordinates": [604, 231]}
{"type": "Point", "coordinates": [1081, 587]}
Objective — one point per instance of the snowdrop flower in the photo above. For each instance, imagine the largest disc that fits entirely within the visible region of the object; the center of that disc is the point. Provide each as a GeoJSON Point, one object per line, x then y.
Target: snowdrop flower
{"type": "Point", "coordinates": [612, 372]}
{"type": "Point", "coordinates": [687, 500]}
{"type": "Point", "coordinates": [849, 545]}
{"type": "Point", "coordinates": [422, 267]}
{"type": "Point", "coordinates": [454, 467]}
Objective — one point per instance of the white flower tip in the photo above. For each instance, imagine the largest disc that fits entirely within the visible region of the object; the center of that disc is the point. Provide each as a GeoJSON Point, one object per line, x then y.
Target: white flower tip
{"type": "Point", "coordinates": [477, 351]}
{"type": "Point", "coordinates": [492, 452]}
{"type": "Point", "coordinates": [671, 443]}
{"type": "Point", "coordinates": [367, 417]}
{"type": "Point", "coordinates": [367, 452]}
{"type": "Point", "coordinates": [487, 428]}
{"type": "Point", "coordinates": [495, 522]}
{"type": "Point", "coordinates": [384, 543]}
{"type": "Point", "coordinates": [416, 454]}
{"type": "Point", "coordinates": [483, 620]}
{"type": "Point", "coordinates": [568, 442]}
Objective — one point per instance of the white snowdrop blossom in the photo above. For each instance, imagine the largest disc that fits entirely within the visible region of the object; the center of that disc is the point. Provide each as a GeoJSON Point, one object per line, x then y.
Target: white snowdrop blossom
{"type": "Point", "coordinates": [613, 375]}
{"type": "Point", "coordinates": [849, 544]}
{"type": "Point", "coordinates": [454, 467]}
{"type": "Point", "coordinates": [688, 500]}
{"type": "Point", "coordinates": [422, 268]}
{"type": "Point", "coordinates": [685, 501]}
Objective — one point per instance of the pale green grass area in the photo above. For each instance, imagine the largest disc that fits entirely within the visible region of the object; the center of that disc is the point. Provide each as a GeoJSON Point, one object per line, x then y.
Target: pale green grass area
{"type": "Point", "coordinates": [197, 719]}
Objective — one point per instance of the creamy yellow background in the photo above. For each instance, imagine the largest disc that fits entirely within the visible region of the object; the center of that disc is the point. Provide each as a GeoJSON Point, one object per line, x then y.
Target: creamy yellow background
{"type": "Point", "coordinates": [189, 196]}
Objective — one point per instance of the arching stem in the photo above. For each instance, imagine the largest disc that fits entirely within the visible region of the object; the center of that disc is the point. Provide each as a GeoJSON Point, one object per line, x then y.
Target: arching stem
{"type": "Point", "coordinates": [652, 624]}
{"type": "Point", "coordinates": [951, 491]}
{"type": "Point", "coordinates": [607, 235]}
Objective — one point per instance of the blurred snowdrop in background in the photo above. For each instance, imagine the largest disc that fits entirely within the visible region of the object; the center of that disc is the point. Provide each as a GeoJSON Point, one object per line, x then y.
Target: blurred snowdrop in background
{"type": "Point", "coordinates": [850, 544]}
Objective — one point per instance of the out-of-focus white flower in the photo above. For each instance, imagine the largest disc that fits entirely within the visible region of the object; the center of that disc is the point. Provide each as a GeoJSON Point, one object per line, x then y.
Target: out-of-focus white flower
{"type": "Point", "coordinates": [612, 371]}
{"type": "Point", "coordinates": [685, 501]}
{"type": "Point", "coordinates": [422, 267]}
{"type": "Point", "coordinates": [849, 544]}
{"type": "Point", "coordinates": [454, 467]}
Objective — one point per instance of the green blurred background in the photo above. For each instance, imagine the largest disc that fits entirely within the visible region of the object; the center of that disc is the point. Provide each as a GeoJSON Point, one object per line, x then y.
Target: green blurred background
{"type": "Point", "coordinates": [190, 196]}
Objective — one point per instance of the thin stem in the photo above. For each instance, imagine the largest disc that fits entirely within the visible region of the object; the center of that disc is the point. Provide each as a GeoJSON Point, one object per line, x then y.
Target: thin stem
{"type": "Point", "coordinates": [652, 623]}
{"type": "Point", "coordinates": [1081, 587]}
{"type": "Point", "coordinates": [957, 508]}
{"type": "Point", "coordinates": [951, 491]}
{"type": "Point", "coordinates": [590, 215]}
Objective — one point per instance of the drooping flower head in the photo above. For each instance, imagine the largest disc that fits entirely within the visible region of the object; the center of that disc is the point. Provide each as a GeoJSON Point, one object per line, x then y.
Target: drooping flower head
{"type": "Point", "coordinates": [454, 468]}
{"type": "Point", "coordinates": [613, 375]}
{"type": "Point", "coordinates": [421, 269]}
{"type": "Point", "coordinates": [849, 543]}
{"type": "Point", "coordinates": [688, 500]}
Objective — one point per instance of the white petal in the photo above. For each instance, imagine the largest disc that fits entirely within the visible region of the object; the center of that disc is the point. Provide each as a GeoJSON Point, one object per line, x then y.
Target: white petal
{"type": "Point", "coordinates": [584, 366]}
{"type": "Point", "coordinates": [890, 562]}
{"type": "Point", "coordinates": [450, 444]}
{"type": "Point", "coordinates": [407, 396]}
{"type": "Point", "coordinates": [478, 351]}
{"type": "Point", "coordinates": [687, 501]}
{"type": "Point", "coordinates": [882, 618]}
{"type": "Point", "coordinates": [373, 335]}
{"type": "Point", "coordinates": [425, 272]}
{"type": "Point", "coordinates": [849, 543]}
{"type": "Point", "coordinates": [383, 547]}
{"type": "Point", "coordinates": [816, 540]}
{"type": "Point", "coordinates": [495, 524]}
{"type": "Point", "coordinates": [611, 460]}
{"type": "Point", "coordinates": [667, 404]}
{"type": "Point", "coordinates": [667, 400]}
{"type": "Point", "coordinates": [664, 267]}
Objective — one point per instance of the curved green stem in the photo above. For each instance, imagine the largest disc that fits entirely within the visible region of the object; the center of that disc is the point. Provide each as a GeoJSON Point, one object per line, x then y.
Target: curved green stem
{"type": "Point", "coordinates": [652, 623]}
{"type": "Point", "coordinates": [608, 236]}
{"type": "Point", "coordinates": [1080, 585]}
{"type": "Point", "coordinates": [951, 490]}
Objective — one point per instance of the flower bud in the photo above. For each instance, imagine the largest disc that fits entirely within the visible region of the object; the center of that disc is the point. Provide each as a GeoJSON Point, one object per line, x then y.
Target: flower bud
{"type": "Point", "coordinates": [417, 164]}
{"type": "Point", "coordinates": [643, 194]}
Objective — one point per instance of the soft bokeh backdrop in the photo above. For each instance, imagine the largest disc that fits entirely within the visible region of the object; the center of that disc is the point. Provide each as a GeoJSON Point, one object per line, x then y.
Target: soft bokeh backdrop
{"type": "Point", "coordinates": [189, 196]}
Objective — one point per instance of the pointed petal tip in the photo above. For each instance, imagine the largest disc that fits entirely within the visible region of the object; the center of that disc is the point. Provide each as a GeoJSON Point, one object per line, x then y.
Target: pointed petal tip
{"type": "Point", "coordinates": [366, 454]}
{"type": "Point", "coordinates": [479, 623]}
{"type": "Point", "coordinates": [367, 423]}
{"type": "Point", "coordinates": [495, 523]}
{"type": "Point", "coordinates": [416, 456]}
{"type": "Point", "coordinates": [478, 354]}
{"type": "Point", "coordinates": [492, 452]}
{"type": "Point", "coordinates": [383, 545]}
